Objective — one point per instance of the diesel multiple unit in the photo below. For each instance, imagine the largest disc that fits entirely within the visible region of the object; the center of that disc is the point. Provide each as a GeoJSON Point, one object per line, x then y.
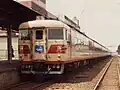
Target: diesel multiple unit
{"type": "Point", "coordinates": [51, 46]}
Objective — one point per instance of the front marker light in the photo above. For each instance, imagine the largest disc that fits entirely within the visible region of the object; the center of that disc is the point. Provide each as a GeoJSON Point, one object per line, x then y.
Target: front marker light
{"type": "Point", "coordinates": [58, 66]}
{"type": "Point", "coordinates": [53, 66]}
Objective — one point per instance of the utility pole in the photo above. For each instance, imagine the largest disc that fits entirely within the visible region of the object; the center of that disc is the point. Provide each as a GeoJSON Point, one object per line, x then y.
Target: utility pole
{"type": "Point", "coordinates": [9, 43]}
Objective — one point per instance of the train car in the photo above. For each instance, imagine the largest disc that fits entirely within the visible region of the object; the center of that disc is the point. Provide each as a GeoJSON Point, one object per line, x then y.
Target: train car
{"type": "Point", "coordinates": [48, 46]}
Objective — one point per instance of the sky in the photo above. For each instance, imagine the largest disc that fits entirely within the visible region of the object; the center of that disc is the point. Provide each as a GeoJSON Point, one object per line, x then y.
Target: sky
{"type": "Point", "coordinates": [99, 19]}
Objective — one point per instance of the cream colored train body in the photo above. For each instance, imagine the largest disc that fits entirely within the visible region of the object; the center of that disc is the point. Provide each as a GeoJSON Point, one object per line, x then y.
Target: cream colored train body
{"type": "Point", "coordinates": [46, 46]}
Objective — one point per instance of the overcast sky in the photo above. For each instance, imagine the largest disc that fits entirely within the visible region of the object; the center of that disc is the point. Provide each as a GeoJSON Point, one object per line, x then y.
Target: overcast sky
{"type": "Point", "coordinates": [99, 19]}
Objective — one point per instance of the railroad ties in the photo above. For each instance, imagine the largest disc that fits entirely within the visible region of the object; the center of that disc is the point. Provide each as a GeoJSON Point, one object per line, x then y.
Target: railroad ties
{"type": "Point", "coordinates": [103, 75]}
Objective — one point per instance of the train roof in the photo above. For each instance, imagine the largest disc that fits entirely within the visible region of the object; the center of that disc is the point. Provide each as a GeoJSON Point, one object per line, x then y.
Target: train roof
{"type": "Point", "coordinates": [43, 23]}
{"type": "Point", "coordinates": [49, 24]}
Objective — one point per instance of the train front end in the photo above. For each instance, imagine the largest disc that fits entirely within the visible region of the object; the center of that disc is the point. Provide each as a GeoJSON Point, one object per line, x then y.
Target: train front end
{"type": "Point", "coordinates": [32, 50]}
{"type": "Point", "coordinates": [41, 48]}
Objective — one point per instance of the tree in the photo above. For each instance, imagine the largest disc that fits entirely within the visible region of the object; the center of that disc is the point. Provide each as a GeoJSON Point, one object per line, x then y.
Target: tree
{"type": "Point", "coordinates": [118, 50]}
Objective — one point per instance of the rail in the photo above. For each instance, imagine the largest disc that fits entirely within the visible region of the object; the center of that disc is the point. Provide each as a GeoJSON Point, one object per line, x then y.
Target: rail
{"type": "Point", "coordinates": [16, 85]}
{"type": "Point", "coordinates": [104, 73]}
{"type": "Point", "coordinates": [30, 85]}
{"type": "Point", "coordinates": [39, 86]}
{"type": "Point", "coordinates": [118, 69]}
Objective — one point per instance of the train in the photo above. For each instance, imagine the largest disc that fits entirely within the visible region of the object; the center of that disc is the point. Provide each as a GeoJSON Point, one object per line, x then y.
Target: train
{"type": "Point", "coordinates": [52, 46]}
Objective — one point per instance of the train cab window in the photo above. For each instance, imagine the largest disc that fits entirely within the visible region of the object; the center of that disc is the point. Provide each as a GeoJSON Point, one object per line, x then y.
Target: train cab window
{"type": "Point", "coordinates": [55, 34]}
{"type": "Point", "coordinates": [24, 34]}
{"type": "Point", "coordinates": [39, 34]}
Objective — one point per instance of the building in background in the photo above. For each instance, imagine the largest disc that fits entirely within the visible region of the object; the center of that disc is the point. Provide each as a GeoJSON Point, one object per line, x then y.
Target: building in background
{"type": "Point", "coordinates": [3, 44]}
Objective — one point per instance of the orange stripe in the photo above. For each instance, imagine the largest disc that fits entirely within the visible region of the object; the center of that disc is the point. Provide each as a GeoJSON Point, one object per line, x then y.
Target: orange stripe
{"type": "Point", "coordinates": [26, 62]}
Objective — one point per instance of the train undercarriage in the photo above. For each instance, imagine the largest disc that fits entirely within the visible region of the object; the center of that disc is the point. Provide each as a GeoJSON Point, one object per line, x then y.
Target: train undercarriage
{"type": "Point", "coordinates": [43, 68]}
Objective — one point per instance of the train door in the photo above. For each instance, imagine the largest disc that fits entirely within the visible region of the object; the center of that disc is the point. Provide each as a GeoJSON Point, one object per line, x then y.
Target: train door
{"type": "Point", "coordinates": [68, 38]}
{"type": "Point", "coordinates": [39, 44]}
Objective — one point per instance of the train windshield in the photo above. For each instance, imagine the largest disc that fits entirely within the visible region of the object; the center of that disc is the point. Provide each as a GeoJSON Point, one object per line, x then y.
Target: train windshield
{"type": "Point", "coordinates": [24, 34]}
{"type": "Point", "coordinates": [39, 34]}
{"type": "Point", "coordinates": [55, 34]}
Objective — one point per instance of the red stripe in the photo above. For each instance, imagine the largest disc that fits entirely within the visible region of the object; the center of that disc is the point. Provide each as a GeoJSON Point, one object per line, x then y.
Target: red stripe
{"type": "Point", "coordinates": [26, 49]}
{"type": "Point", "coordinates": [54, 48]}
{"type": "Point", "coordinates": [72, 60]}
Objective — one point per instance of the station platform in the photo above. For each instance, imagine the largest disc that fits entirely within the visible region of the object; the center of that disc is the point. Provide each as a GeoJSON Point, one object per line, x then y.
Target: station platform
{"type": "Point", "coordinates": [6, 66]}
{"type": "Point", "coordinates": [9, 73]}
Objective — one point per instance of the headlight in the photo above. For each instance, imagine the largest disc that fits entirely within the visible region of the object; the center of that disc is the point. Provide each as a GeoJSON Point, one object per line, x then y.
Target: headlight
{"type": "Point", "coordinates": [53, 66]}
{"type": "Point", "coordinates": [29, 66]}
{"type": "Point", "coordinates": [58, 66]}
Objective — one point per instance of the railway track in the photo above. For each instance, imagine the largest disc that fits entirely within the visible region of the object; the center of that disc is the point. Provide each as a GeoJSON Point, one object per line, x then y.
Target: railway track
{"type": "Point", "coordinates": [31, 85]}
{"type": "Point", "coordinates": [28, 85]}
{"type": "Point", "coordinates": [107, 79]}
{"type": "Point", "coordinates": [104, 82]}
{"type": "Point", "coordinates": [35, 86]}
{"type": "Point", "coordinates": [101, 78]}
{"type": "Point", "coordinates": [74, 82]}
{"type": "Point", "coordinates": [16, 85]}
{"type": "Point", "coordinates": [80, 80]}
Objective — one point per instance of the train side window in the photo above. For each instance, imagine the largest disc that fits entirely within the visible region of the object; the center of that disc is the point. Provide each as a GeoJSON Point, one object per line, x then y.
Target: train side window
{"type": "Point", "coordinates": [39, 34]}
{"type": "Point", "coordinates": [24, 34]}
{"type": "Point", "coordinates": [66, 35]}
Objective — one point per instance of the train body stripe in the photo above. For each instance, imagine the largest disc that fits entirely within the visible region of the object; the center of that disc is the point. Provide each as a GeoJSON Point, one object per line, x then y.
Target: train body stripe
{"type": "Point", "coordinates": [57, 48]}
